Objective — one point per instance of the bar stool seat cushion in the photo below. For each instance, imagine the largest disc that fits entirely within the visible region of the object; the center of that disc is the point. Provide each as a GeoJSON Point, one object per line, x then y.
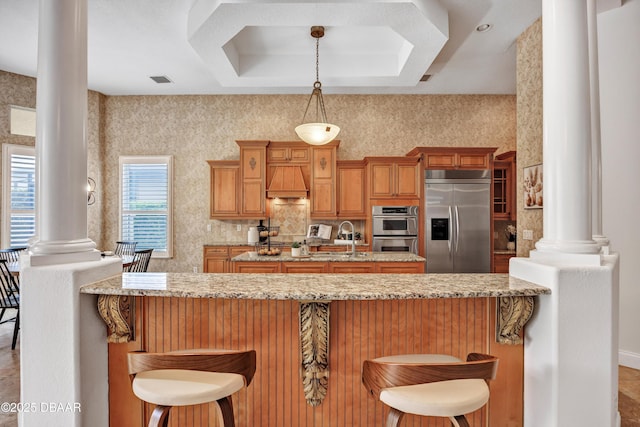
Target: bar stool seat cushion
{"type": "Point", "coordinates": [179, 387]}
{"type": "Point", "coordinates": [441, 399]}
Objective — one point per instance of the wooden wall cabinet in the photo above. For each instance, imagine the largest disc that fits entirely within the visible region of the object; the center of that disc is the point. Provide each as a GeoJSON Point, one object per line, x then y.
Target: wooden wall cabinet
{"type": "Point", "coordinates": [253, 157]}
{"type": "Point", "coordinates": [351, 191]}
{"type": "Point", "coordinates": [391, 177]}
{"type": "Point", "coordinates": [504, 186]}
{"type": "Point", "coordinates": [287, 152]}
{"type": "Point", "coordinates": [323, 182]}
{"type": "Point", "coordinates": [455, 158]}
{"type": "Point", "coordinates": [225, 186]}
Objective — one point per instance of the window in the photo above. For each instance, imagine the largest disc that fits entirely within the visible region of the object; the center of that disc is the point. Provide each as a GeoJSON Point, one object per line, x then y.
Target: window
{"type": "Point", "coordinates": [146, 203]}
{"type": "Point", "coordinates": [19, 194]}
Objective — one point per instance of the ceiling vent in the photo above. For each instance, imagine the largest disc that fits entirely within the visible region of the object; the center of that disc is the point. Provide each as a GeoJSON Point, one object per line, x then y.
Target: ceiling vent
{"type": "Point", "coordinates": [287, 183]}
{"type": "Point", "coordinates": [160, 79]}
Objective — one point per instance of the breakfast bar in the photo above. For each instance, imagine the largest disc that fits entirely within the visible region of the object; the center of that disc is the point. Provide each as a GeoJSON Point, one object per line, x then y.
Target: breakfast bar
{"type": "Point", "coordinates": [311, 333]}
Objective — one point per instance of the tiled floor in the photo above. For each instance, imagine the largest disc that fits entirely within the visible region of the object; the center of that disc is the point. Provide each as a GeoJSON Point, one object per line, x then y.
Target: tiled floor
{"type": "Point", "coordinates": [629, 380]}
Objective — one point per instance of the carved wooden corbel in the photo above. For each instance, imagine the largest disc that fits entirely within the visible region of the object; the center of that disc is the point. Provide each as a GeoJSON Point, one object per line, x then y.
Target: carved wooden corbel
{"type": "Point", "coordinates": [512, 314]}
{"type": "Point", "coordinates": [118, 313]}
{"type": "Point", "coordinates": [314, 345]}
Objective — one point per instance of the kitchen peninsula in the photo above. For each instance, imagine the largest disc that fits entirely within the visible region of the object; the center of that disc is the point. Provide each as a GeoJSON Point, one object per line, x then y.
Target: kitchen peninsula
{"type": "Point", "coordinates": [279, 315]}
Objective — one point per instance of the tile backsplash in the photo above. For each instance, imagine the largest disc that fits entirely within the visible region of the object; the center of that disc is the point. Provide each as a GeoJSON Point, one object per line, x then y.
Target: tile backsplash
{"type": "Point", "coordinates": [291, 215]}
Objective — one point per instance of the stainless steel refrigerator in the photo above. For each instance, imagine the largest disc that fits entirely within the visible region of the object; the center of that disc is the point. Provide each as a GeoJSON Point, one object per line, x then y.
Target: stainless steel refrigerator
{"type": "Point", "coordinates": [458, 215]}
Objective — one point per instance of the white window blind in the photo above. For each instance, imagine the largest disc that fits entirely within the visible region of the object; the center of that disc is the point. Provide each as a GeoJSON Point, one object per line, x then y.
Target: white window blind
{"type": "Point", "coordinates": [19, 195]}
{"type": "Point", "coordinates": [146, 203]}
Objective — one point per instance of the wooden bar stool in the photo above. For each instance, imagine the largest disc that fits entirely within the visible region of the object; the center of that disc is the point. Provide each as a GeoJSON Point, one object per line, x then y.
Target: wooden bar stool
{"type": "Point", "coordinates": [435, 385]}
{"type": "Point", "coordinates": [190, 377]}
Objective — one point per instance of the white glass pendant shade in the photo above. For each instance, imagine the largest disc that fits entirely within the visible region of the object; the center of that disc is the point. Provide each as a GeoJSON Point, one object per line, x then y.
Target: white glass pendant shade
{"type": "Point", "coordinates": [317, 133]}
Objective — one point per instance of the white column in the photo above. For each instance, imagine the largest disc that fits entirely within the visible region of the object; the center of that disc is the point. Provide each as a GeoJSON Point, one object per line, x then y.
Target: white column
{"type": "Point", "coordinates": [64, 366]}
{"type": "Point", "coordinates": [596, 146]}
{"type": "Point", "coordinates": [61, 147]}
{"type": "Point", "coordinates": [566, 129]}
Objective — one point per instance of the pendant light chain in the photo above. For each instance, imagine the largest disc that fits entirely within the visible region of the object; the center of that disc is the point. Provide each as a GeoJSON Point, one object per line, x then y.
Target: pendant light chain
{"type": "Point", "coordinates": [317, 59]}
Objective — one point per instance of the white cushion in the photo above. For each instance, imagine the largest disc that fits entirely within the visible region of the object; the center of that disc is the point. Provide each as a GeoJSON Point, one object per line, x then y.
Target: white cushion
{"type": "Point", "coordinates": [179, 387]}
{"type": "Point", "coordinates": [440, 399]}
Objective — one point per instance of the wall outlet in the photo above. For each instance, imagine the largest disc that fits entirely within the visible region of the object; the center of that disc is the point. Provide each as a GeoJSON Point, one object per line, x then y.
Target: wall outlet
{"type": "Point", "coordinates": [209, 227]}
{"type": "Point", "coordinates": [238, 227]}
{"type": "Point", "coordinates": [195, 269]}
{"type": "Point", "coordinates": [527, 234]}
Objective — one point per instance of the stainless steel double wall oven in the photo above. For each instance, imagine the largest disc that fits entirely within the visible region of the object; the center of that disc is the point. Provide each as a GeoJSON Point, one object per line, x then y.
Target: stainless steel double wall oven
{"type": "Point", "coordinates": [395, 229]}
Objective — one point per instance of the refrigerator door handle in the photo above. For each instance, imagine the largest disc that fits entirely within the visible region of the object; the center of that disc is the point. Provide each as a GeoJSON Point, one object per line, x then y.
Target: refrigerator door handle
{"type": "Point", "coordinates": [450, 231]}
{"type": "Point", "coordinates": [457, 228]}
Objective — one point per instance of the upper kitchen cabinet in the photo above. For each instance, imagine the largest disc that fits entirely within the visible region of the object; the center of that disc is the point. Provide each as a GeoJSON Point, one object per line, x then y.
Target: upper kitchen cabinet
{"type": "Point", "coordinates": [351, 192]}
{"type": "Point", "coordinates": [253, 156]}
{"type": "Point", "coordinates": [504, 186]}
{"type": "Point", "coordinates": [323, 181]}
{"type": "Point", "coordinates": [393, 177]}
{"type": "Point", "coordinates": [288, 152]}
{"type": "Point", "coordinates": [225, 186]}
{"type": "Point", "coordinates": [455, 158]}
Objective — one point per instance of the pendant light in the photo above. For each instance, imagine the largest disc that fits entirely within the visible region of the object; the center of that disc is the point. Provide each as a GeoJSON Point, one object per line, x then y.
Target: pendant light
{"type": "Point", "coordinates": [318, 132]}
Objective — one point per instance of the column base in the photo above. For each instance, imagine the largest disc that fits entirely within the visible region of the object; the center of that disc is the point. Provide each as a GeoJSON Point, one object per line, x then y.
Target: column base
{"type": "Point", "coordinates": [568, 246]}
{"type": "Point", "coordinates": [62, 252]}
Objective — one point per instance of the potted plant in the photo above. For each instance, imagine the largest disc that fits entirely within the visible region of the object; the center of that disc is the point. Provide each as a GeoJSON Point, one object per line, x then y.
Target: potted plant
{"type": "Point", "coordinates": [295, 249]}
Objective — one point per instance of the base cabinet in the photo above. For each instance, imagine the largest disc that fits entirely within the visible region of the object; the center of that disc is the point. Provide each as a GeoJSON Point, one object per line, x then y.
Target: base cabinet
{"type": "Point", "coordinates": [303, 267]}
{"type": "Point", "coordinates": [399, 267]}
{"type": "Point", "coordinates": [217, 258]}
{"type": "Point", "coordinates": [335, 267]}
{"type": "Point", "coordinates": [501, 263]}
{"type": "Point", "coordinates": [351, 267]}
{"type": "Point", "coordinates": [256, 267]}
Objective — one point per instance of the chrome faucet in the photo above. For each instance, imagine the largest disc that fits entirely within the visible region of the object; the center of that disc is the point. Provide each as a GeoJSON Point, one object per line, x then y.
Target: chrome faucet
{"type": "Point", "coordinates": [353, 235]}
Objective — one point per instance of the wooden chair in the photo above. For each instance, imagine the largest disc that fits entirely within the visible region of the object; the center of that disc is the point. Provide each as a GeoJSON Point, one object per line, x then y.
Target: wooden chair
{"type": "Point", "coordinates": [140, 261]}
{"type": "Point", "coordinates": [9, 298]}
{"type": "Point", "coordinates": [125, 248]}
{"type": "Point", "coordinates": [190, 377]}
{"type": "Point", "coordinates": [430, 385]}
{"type": "Point", "coordinates": [11, 254]}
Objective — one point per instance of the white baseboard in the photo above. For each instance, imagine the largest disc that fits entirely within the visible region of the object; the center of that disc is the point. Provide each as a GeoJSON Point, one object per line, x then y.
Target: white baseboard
{"type": "Point", "coordinates": [629, 359]}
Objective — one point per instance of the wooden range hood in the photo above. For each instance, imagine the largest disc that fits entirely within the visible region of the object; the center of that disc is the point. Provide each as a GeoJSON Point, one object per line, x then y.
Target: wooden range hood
{"type": "Point", "coordinates": [287, 183]}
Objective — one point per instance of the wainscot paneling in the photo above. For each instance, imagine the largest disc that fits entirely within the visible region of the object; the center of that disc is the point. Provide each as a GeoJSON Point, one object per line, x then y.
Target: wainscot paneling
{"type": "Point", "coordinates": [359, 330]}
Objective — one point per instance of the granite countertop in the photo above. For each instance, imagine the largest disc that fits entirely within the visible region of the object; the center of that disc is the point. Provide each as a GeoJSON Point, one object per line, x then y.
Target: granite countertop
{"type": "Point", "coordinates": [310, 244]}
{"type": "Point", "coordinates": [335, 257]}
{"type": "Point", "coordinates": [314, 287]}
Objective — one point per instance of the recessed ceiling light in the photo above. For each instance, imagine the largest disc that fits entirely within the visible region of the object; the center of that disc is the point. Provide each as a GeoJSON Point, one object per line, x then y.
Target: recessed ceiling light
{"type": "Point", "coordinates": [160, 79]}
{"type": "Point", "coordinates": [483, 28]}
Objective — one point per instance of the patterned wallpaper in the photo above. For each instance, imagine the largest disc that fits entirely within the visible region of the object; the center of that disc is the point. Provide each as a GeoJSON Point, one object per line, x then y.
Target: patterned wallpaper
{"type": "Point", "coordinates": [529, 146]}
{"type": "Point", "coordinates": [198, 128]}
{"type": "Point", "coordinates": [21, 91]}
